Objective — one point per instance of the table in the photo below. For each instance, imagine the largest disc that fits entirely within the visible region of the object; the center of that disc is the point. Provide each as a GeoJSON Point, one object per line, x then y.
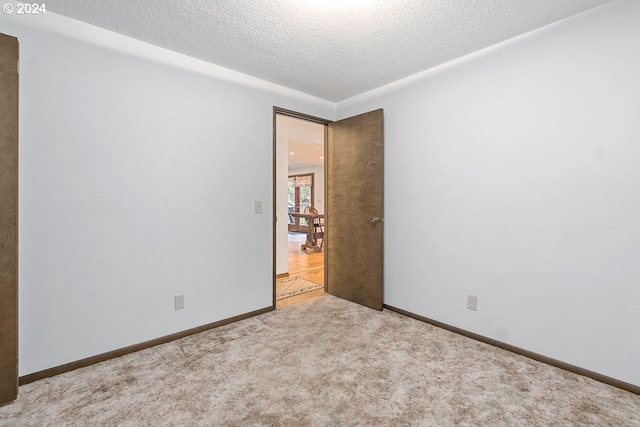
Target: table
{"type": "Point", "coordinates": [312, 234]}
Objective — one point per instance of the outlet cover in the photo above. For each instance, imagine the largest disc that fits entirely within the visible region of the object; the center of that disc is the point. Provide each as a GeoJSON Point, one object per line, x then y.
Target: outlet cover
{"type": "Point", "coordinates": [472, 302]}
{"type": "Point", "coordinates": [178, 302]}
{"type": "Point", "coordinates": [258, 206]}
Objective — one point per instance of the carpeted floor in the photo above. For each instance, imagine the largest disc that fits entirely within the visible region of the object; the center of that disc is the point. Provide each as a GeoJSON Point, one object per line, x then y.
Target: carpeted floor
{"type": "Point", "coordinates": [293, 286]}
{"type": "Point", "coordinates": [325, 362]}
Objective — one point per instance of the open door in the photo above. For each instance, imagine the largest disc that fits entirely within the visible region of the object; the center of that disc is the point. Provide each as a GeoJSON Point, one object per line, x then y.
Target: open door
{"type": "Point", "coordinates": [354, 209]}
{"type": "Point", "coordinates": [8, 218]}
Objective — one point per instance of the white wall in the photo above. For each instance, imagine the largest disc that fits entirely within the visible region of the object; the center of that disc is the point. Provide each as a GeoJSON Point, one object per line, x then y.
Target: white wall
{"type": "Point", "coordinates": [289, 129]}
{"type": "Point", "coordinates": [130, 192]}
{"type": "Point", "coordinates": [282, 152]}
{"type": "Point", "coordinates": [512, 174]}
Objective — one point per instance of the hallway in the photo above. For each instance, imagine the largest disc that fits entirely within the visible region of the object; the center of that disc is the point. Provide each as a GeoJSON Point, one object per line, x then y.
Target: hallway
{"type": "Point", "coordinates": [307, 265]}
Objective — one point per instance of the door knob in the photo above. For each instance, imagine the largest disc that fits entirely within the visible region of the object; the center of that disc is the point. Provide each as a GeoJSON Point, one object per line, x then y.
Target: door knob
{"type": "Point", "coordinates": [376, 219]}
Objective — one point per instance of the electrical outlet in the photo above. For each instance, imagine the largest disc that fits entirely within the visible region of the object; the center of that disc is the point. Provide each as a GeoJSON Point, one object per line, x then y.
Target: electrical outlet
{"type": "Point", "coordinates": [472, 302]}
{"type": "Point", "coordinates": [178, 302]}
{"type": "Point", "coordinates": [258, 206]}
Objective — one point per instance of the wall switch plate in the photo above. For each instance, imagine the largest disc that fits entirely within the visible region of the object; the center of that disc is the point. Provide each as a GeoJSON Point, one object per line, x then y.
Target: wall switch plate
{"type": "Point", "coordinates": [178, 302]}
{"type": "Point", "coordinates": [258, 206]}
{"type": "Point", "coordinates": [472, 302]}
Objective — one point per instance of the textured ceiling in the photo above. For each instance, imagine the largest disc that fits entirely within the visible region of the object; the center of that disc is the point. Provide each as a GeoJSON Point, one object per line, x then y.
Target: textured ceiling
{"type": "Point", "coordinates": [327, 48]}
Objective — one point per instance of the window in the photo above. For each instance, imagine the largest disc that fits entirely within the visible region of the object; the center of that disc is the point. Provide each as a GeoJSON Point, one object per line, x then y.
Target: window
{"type": "Point", "coordinates": [300, 196]}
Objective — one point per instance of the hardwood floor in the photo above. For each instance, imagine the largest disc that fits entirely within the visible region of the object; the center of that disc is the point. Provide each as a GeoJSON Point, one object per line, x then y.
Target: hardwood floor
{"type": "Point", "coordinates": [307, 265]}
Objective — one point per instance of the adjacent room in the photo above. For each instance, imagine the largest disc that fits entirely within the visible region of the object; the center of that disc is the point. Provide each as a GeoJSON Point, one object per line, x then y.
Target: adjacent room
{"type": "Point", "coordinates": [300, 221]}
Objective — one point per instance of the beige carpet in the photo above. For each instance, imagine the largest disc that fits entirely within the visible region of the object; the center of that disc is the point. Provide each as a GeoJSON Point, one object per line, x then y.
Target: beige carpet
{"type": "Point", "coordinates": [293, 286]}
{"type": "Point", "coordinates": [325, 362]}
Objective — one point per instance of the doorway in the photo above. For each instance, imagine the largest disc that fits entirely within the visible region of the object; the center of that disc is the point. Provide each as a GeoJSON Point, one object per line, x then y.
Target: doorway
{"type": "Point", "coordinates": [299, 190]}
{"type": "Point", "coordinates": [354, 187]}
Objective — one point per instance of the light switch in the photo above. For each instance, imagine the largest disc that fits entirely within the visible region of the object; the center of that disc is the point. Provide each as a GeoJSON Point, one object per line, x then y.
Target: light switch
{"type": "Point", "coordinates": [258, 206]}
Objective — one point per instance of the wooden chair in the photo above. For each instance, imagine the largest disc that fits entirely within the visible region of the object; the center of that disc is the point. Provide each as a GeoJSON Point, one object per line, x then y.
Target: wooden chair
{"type": "Point", "coordinates": [317, 225]}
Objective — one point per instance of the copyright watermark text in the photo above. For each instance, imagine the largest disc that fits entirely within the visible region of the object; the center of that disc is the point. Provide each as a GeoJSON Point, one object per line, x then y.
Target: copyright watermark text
{"type": "Point", "coordinates": [24, 8]}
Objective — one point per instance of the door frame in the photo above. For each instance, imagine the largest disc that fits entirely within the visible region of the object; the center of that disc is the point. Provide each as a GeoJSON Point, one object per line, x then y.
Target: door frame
{"type": "Point", "coordinates": [9, 256]}
{"type": "Point", "coordinates": [302, 116]}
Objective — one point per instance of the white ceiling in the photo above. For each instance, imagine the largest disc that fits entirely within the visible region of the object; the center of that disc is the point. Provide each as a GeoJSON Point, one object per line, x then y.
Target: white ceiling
{"type": "Point", "coordinates": [305, 142]}
{"type": "Point", "coordinates": [333, 49]}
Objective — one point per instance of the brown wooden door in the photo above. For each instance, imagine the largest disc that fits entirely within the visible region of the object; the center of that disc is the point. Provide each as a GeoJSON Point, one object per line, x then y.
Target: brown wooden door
{"type": "Point", "coordinates": [354, 209]}
{"type": "Point", "coordinates": [8, 218]}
